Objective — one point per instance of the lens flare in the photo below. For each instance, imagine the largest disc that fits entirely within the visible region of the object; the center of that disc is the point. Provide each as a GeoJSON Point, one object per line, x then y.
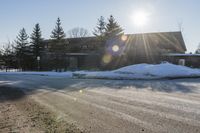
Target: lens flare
{"type": "Point", "coordinates": [107, 58]}
{"type": "Point", "coordinates": [124, 38]}
{"type": "Point", "coordinates": [115, 48]}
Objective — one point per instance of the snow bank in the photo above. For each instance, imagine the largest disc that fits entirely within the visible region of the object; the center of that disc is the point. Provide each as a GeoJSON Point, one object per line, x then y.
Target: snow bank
{"type": "Point", "coordinates": [140, 71]}
{"type": "Point", "coordinates": [143, 71]}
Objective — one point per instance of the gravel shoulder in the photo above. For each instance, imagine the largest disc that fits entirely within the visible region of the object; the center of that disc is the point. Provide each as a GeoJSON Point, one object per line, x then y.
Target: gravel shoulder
{"type": "Point", "coordinates": [20, 113]}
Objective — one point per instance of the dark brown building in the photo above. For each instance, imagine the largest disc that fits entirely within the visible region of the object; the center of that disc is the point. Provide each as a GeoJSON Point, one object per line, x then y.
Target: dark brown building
{"type": "Point", "coordinates": [90, 53]}
{"type": "Point", "coordinates": [191, 60]}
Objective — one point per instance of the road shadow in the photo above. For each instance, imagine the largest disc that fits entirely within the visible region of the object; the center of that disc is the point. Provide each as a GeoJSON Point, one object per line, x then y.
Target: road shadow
{"type": "Point", "coordinates": [169, 86]}
{"type": "Point", "coordinates": [11, 93]}
{"type": "Point", "coordinates": [33, 83]}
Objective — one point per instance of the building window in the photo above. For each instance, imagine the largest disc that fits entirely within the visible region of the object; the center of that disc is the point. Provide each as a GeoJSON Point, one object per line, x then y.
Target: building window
{"type": "Point", "coordinates": [46, 46]}
{"type": "Point", "coordinates": [85, 47]}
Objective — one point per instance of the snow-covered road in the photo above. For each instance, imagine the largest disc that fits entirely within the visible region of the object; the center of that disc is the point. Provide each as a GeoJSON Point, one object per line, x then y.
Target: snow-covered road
{"type": "Point", "coordinates": [117, 106]}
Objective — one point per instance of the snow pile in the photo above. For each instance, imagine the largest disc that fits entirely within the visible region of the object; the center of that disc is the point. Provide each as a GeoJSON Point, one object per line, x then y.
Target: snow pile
{"type": "Point", "coordinates": [54, 74]}
{"type": "Point", "coordinates": [160, 70]}
{"type": "Point", "coordinates": [143, 71]}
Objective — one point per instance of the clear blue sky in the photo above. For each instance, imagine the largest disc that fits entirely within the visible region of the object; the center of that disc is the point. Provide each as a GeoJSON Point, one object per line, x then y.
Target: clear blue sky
{"type": "Point", "coordinates": [164, 16]}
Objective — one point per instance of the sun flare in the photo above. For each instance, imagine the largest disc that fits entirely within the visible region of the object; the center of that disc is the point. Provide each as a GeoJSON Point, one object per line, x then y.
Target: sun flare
{"type": "Point", "coordinates": [140, 18]}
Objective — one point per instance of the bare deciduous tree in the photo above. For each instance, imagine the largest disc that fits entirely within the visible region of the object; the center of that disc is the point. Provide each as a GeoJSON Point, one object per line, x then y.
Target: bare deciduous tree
{"type": "Point", "coordinates": [198, 49]}
{"type": "Point", "coordinates": [8, 48]}
{"type": "Point", "coordinates": [8, 55]}
{"type": "Point", "coordinates": [180, 26]}
{"type": "Point", "coordinates": [78, 32]}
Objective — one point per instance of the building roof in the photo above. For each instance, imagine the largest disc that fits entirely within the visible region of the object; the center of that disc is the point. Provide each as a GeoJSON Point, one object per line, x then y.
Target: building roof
{"type": "Point", "coordinates": [168, 40]}
{"type": "Point", "coordinates": [160, 40]}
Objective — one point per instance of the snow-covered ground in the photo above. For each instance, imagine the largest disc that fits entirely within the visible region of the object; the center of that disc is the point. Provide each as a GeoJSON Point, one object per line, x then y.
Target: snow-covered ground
{"type": "Point", "coordinates": [55, 74]}
{"type": "Point", "coordinates": [143, 71]}
{"type": "Point", "coordinates": [139, 71]}
{"type": "Point", "coordinates": [10, 70]}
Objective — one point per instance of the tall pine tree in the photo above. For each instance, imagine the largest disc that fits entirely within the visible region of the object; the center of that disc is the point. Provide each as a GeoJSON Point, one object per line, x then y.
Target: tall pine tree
{"type": "Point", "coordinates": [36, 40]}
{"type": "Point", "coordinates": [58, 46]}
{"type": "Point", "coordinates": [21, 48]}
{"type": "Point", "coordinates": [100, 29]}
{"type": "Point", "coordinates": [58, 32]}
{"type": "Point", "coordinates": [22, 39]}
{"type": "Point", "coordinates": [113, 28]}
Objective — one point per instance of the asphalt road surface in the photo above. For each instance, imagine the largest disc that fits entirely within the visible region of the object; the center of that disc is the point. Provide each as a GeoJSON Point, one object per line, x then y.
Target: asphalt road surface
{"type": "Point", "coordinates": [117, 106]}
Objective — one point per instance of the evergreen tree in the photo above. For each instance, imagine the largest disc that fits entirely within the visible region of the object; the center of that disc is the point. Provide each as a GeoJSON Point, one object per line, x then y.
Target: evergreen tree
{"type": "Point", "coordinates": [100, 29]}
{"type": "Point", "coordinates": [21, 43]}
{"type": "Point", "coordinates": [22, 39]}
{"type": "Point", "coordinates": [21, 48]}
{"type": "Point", "coordinates": [58, 32]}
{"type": "Point", "coordinates": [58, 46]}
{"type": "Point", "coordinates": [113, 28]}
{"type": "Point", "coordinates": [36, 40]}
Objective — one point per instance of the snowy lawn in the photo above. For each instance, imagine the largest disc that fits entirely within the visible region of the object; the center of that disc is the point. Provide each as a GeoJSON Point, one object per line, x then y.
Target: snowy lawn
{"type": "Point", "coordinates": [143, 71]}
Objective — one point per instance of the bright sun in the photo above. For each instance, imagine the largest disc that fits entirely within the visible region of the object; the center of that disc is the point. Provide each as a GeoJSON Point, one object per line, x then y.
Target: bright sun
{"type": "Point", "coordinates": [140, 18]}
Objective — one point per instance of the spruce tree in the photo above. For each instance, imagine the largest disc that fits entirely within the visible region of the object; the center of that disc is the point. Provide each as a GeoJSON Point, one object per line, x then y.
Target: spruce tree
{"type": "Point", "coordinates": [36, 40]}
{"type": "Point", "coordinates": [22, 42]}
{"type": "Point", "coordinates": [113, 28]}
{"type": "Point", "coordinates": [21, 47]}
{"type": "Point", "coordinates": [58, 45]}
{"type": "Point", "coordinates": [58, 32]}
{"type": "Point", "coordinates": [100, 29]}
{"type": "Point", "coordinates": [22, 39]}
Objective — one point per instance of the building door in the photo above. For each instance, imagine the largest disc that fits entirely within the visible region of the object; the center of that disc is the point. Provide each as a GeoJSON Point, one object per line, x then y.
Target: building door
{"type": "Point", "coordinates": [73, 63]}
